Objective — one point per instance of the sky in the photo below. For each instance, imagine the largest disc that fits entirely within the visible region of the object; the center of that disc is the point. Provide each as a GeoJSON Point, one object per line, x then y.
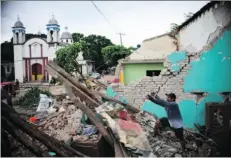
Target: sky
{"type": "Point", "coordinates": [138, 20]}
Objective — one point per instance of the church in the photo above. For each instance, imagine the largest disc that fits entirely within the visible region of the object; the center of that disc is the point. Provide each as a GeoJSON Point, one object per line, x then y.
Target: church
{"type": "Point", "coordinates": [32, 55]}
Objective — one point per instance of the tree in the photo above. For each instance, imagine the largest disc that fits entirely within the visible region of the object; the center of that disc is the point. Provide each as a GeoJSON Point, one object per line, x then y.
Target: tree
{"type": "Point", "coordinates": [112, 54]}
{"type": "Point", "coordinates": [174, 26]}
{"type": "Point", "coordinates": [77, 37]}
{"type": "Point", "coordinates": [67, 57]}
{"type": "Point", "coordinates": [7, 53]}
{"type": "Point", "coordinates": [188, 15]}
{"type": "Point", "coordinates": [92, 48]}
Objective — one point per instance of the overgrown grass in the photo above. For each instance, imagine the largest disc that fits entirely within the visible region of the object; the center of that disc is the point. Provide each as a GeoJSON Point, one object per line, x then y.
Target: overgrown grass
{"type": "Point", "coordinates": [31, 97]}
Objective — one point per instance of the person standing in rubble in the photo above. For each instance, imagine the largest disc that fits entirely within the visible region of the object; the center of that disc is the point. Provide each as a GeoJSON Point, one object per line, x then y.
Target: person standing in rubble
{"type": "Point", "coordinates": [173, 120]}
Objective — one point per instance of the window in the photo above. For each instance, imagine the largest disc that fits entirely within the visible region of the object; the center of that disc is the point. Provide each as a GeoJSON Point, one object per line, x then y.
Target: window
{"type": "Point", "coordinates": [17, 38]}
{"type": "Point", "coordinates": [51, 33]}
{"type": "Point", "coordinates": [152, 73]}
{"type": "Point", "coordinates": [67, 40]}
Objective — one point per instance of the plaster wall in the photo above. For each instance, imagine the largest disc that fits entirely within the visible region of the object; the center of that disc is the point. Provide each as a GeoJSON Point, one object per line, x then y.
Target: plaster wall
{"type": "Point", "coordinates": [193, 37]}
{"type": "Point", "coordinates": [18, 62]}
{"type": "Point", "coordinates": [207, 70]}
{"type": "Point", "coordinates": [154, 48]}
{"type": "Point", "coordinates": [36, 48]}
{"type": "Point", "coordinates": [34, 61]}
{"type": "Point", "coordinates": [52, 51]}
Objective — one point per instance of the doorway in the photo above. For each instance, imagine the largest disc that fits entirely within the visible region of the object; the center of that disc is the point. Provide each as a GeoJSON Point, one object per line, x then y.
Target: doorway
{"type": "Point", "coordinates": [36, 71]}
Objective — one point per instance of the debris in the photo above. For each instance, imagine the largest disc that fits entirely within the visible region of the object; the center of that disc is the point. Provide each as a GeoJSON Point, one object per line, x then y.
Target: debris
{"type": "Point", "coordinates": [10, 119]}
{"type": "Point", "coordinates": [44, 103]}
{"type": "Point", "coordinates": [89, 130]}
{"type": "Point", "coordinates": [52, 153]}
{"type": "Point", "coordinates": [31, 97]}
{"type": "Point", "coordinates": [129, 133]}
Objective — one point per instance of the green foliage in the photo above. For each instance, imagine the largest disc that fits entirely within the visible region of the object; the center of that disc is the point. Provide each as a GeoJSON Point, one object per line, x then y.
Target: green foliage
{"type": "Point", "coordinates": [7, 53]}
{"type": "Point", "coordinates": [174, 26]}
{"type": "Point", "coordinates": [113, 53]}
{"type": "Point", "coordinates": [77, 37]}
{"type": "Point", "coordinates": [92, 47]}
{"type": "Point", "coordinates": [188, 15]}
{"type": "Point", "coordinates": [67, 57]}
{"type": "Point", "coordinates": [31, 97]}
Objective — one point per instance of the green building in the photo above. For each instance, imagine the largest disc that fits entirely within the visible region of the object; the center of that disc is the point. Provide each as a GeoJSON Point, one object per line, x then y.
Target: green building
{"type": "Point", "coordinates": [135, 70]}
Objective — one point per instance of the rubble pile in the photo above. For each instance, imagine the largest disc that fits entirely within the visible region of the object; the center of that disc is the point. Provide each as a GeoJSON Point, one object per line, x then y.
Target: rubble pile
{"type": "Point", "coordinates": [167, 145]}
{"type": "Point", "coordinates": [65, 124]}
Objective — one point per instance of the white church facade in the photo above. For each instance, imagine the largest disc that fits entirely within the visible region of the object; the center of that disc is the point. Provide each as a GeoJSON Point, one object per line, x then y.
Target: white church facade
{"type": "Point", "coordinates": [32, 55]}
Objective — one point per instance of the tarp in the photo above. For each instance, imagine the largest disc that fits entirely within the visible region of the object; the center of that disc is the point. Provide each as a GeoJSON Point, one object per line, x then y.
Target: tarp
{"type": "Point", "coordinates": [44, 103]}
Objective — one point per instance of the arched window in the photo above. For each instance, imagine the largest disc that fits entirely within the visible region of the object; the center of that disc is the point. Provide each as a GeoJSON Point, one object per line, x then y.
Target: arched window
{"type": "Point", "coordinates": [17, 37]}
{"type": "Point", "coordinates": [51, 33]}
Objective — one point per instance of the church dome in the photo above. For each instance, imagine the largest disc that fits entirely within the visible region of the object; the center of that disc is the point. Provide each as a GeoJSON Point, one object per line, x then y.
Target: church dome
{"type": "Point", "coordinates": [53, 21]}
{"type": "Point", "coordinates": [66, 34]}
{"type": "Point", "coordinates": [18, 23]}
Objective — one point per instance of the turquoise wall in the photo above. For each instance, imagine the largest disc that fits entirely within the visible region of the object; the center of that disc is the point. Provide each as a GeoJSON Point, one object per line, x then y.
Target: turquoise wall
{"type": "Point", "coordinates": [211, 74]}
{"type": "Point", "coordinates": [191, 111]}
{"type": "Point", "coordinates": [174, 58]}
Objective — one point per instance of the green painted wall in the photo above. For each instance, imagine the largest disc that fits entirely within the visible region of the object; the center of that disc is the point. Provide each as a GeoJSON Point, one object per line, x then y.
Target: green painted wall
{"type": "Point", "coordinates": [133, 72]}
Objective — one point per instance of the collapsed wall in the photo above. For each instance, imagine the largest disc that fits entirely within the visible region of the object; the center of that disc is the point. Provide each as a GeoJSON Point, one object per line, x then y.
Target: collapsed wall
{"type": "Point", "coordinates": [195, 77]}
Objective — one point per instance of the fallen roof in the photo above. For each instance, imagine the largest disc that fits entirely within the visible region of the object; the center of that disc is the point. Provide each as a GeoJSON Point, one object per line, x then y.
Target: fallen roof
{"type": "Point", "coordinates": [198, 14]}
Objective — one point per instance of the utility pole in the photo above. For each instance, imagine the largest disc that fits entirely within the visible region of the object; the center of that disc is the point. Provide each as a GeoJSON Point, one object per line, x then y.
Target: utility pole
{"type": "Point", "coordinates": [121, 34]}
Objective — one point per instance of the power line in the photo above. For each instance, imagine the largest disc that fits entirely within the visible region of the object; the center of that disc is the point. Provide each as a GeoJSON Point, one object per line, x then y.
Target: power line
{"type": "Point", "coordinates": [108, 21]}
{"type": "Point", "coordinates": [100, 12]}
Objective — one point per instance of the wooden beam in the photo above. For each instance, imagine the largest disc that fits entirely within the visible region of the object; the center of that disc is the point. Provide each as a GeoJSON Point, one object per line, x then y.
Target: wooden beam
{"type": "Point", "coordinates": [21, 137]}
{"type": "Point", "coordinates": [83, 96]}
{"type": "Point", "coordinates": [127, 106]}
{"type": "Point", "coordinates": [72, 80]}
